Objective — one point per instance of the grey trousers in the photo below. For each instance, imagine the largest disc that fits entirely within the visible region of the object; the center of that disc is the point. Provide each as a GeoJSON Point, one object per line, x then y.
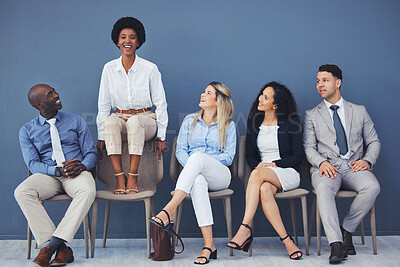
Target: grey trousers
{"type": "Point", "coordinates": [37, 187]}
{"type": "Point", "coordinates": [363, 182]}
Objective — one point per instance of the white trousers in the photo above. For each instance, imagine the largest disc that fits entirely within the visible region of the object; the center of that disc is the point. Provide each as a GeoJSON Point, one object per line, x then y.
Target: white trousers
{"type": "Point", "coordinates": [203, 173]}
{"type": "Point", "coordinates": [38, 187]}
{"type": "Point", "coordinates": [134, 128]}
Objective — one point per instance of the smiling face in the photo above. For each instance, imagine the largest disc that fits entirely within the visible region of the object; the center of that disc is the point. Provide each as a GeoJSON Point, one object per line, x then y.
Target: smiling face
{"type": "Point", "coordinates": [266, 100]}
{"type": "Point", "coordinates": [45, 99]}
{"type": "Point", "coordinates": [128, 42]}
{"type": "Point", "coordinates": [328, 86]}
{"type": "Point", "coordinates": [208, 99]}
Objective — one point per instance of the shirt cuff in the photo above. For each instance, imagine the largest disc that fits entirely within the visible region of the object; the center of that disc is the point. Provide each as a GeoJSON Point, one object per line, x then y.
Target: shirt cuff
{"type": "Point", "coordinates": [51, 170]}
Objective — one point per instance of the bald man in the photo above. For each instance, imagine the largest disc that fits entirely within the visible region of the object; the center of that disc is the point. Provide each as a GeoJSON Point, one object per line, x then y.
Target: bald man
{"type": "Point", "coordinates": [59, 151]}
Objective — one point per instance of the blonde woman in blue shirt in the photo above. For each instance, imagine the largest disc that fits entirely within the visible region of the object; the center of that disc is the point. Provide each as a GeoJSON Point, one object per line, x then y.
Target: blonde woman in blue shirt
{"type": "Point", "coordinates": [206, 146]}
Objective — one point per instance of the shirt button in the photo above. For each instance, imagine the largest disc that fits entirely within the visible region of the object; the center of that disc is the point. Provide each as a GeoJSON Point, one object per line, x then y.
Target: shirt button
{"type": "Point", "coordinates": [334, 143]}
{"type": "Point", "coordinates": [338, 155]}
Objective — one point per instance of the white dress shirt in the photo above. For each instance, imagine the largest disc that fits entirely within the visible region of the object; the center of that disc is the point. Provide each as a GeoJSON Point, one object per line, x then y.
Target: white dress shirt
{"type": "Point", "coordinates": [140, 88]}
{"type": "Point", "coordinates": [342, 117]}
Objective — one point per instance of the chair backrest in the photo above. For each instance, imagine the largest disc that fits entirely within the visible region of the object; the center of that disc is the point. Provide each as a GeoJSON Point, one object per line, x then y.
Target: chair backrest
{"type": "Point", "coordinates": [150, 170]}
{"type": "Point", "coordinates": [244, 170]}
{"type": "Point", "coordinates": [175, 167]}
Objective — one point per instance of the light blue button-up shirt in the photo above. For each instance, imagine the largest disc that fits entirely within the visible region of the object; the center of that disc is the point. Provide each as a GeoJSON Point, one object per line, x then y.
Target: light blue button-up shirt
{"type": "Point", "coordinates": [204, 139]}
{"type": "Point", "coordinates": [75, 137]}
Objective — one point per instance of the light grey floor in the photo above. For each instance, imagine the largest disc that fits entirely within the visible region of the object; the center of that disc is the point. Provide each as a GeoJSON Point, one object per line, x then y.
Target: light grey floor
{"type": "Point", "coordinates": [267, 251]}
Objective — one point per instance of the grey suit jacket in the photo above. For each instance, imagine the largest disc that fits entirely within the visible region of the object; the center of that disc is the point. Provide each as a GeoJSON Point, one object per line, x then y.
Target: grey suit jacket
{"type": "Point", "coordinates": [319, 137]}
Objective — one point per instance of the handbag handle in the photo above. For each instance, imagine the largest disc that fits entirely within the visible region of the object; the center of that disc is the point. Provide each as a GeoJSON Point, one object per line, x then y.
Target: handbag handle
{"type": "Point", "coordinates": [183, 246]}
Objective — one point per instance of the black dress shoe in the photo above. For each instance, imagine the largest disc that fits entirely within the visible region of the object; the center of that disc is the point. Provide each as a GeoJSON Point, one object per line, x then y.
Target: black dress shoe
{"type": "Point", "coordinates": [338, 253]}
{"type": "Point", "coordinates": [348, 242]}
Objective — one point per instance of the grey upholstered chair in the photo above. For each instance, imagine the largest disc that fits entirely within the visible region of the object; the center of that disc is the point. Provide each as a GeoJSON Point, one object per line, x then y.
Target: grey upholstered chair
{"type": "Point", "coordinates": [244, 172]}
{"type": "Point", "coordinates": [86, 224]}
{"type": "Point", "coordinates": [150, 174]}
{"type": "Point", "coordinates": [174, 171]}
{"type": "Point", "coordinates": [342, 194]}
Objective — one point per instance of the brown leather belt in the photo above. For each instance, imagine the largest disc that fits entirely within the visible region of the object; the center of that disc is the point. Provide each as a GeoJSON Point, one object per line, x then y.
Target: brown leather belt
{"type": "Point", "coordinates": [133, 111]}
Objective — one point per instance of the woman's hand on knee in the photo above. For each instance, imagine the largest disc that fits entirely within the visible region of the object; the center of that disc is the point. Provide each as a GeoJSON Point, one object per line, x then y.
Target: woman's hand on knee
{"type": "Point", "coordinates": [265, 165]}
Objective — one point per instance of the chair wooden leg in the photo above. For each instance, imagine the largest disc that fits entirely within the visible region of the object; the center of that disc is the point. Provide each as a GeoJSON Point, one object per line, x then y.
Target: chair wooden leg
{"type": "Point", "coordinates": [178, 218]}
{"type": "Point", "coordinates": [152, 207]}
{"type": "Point", "coordinates": [228, 217]}
{"type": "Point", "coordinates": [318, 222]}
{"type": "Point", "coordinates": [373, 230]}
{"type": "Point", "coordinates": [86, 234]}
{"type": "Point", "coordinates": [312, 216]}
{"type": "Point", "coordinates": [362, 232]}
{"type": "Point", "coordinates": [94, 224]}
{"type": "Point", "coordinates": [305, 223]}
{"type": "Point", "coordinates": [106, 219]}
{"type": "Point", "coordinates": [29, 237]}
{"type": "Point", "coordinates": [174, 219]}
{"type": "Point", "coordinates": [293, 213]}
{"type": "Point", "coordinates": [147, 206]}
{"type": "Point", "coordinates": [251, 245]}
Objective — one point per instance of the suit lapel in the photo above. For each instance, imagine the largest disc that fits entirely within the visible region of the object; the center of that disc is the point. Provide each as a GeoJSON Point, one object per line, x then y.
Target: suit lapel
{"type": "Point", "coordinates": [323, 110]}
{"type": "Point", "coordinates": [348, 113]}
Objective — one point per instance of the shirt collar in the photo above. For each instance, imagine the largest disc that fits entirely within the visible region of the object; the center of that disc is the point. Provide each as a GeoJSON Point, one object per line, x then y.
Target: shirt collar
{"type": "Point", "coordinates": [339, 103]}
{"type": "Point", "coordinates": [201, 119]}
{"type": "Point", "coordinates": [43, 120]}
{"type": "Point", "coordinates": [134, 67]}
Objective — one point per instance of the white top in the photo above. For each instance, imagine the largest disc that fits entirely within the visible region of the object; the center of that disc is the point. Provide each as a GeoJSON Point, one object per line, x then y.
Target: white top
{"type": "Point", "coordinates": [140, 88]}
{"type": "Point", "coordinates": [267, 142]}
{"type": "Point", "coordinates": [342, 118]}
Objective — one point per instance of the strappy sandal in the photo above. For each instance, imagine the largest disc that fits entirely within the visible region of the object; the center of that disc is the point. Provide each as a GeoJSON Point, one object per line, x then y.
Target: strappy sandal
{"type": "Point", "coordinates": [167, 227]}
{"type": "Point", "coordinates": [246, 244]}
{"type": "Point", "coordinates": [132, 190]}
{"type": "Point", "coordinates": [294, 253]}
{"type": "Point", "coordinates": [213, 256]}
{"type": "Point", "coordinates": [119, 191]}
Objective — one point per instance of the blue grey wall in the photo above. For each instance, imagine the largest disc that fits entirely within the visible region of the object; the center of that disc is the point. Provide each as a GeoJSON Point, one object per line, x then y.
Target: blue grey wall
{"type": "Point", "coordinates": [241, 43]}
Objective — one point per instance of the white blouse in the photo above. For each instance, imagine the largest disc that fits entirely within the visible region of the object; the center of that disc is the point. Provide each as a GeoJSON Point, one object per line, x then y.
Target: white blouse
{"type": "Point", "coordinates": [267, 142]}
{"type": "Point", "coordinates": [140, 88]}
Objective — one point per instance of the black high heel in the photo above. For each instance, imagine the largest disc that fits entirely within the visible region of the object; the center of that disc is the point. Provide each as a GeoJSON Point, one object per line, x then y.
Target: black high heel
{"type": "Point", "coordinates": [298, 251]}
{"type": "Point", "coordinates": [213, 256]}
{"type": "Point", "coordinates": [167, 227]}
{"type": "Point", "coordinates": [246, 244]}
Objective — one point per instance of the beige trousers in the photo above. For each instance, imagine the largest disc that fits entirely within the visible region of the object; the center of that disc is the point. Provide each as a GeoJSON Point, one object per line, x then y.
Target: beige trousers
{"type": "Point", "coordinates": [38, 187]}
{"type": "Point", "coordinates": [134, 128]}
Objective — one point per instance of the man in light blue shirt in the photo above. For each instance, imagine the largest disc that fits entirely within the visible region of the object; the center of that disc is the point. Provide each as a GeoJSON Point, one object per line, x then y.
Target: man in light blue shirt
{"type": "Point", "coordinates": [59, 151]}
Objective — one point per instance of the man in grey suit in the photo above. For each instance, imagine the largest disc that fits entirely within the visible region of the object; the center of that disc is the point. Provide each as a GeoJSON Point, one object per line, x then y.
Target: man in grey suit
{"type": "Point", "coordinates": [342, 146]}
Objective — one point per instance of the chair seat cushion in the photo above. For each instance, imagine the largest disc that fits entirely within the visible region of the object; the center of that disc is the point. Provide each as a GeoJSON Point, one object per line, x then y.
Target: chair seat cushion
{"type": "Point", "coordinates": [295, 193]}
{"type": "Point", "coordinates": [61, 197]}
{"type": "Point", "coordinates": [109, 195]}
{"type": "Point", "coordinates": [344, 193]}
{"type": "Point", "coordinates": [213, 194]}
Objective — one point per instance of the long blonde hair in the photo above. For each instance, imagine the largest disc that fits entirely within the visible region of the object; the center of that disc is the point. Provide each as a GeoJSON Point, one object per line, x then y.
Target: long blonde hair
{"type": "Point", "coordinates": [224, 112]}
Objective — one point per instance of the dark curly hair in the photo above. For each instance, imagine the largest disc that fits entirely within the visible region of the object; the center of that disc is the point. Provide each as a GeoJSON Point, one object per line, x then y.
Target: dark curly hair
{"type": "Point", "coordinates": [283, 98]}
{"type": "Point", "coordinates": [131, 23]}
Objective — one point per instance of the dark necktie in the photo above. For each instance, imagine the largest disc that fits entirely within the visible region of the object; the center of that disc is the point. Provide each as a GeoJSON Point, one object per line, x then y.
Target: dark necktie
{"type": "Point", "coordinates": [340, 134]}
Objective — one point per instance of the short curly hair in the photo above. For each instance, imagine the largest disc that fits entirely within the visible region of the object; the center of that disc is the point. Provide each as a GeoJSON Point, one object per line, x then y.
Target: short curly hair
{"type": "Point", "coordinates": [283, 98]}
{"type": "Point", "coordinates": [131, 23]}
